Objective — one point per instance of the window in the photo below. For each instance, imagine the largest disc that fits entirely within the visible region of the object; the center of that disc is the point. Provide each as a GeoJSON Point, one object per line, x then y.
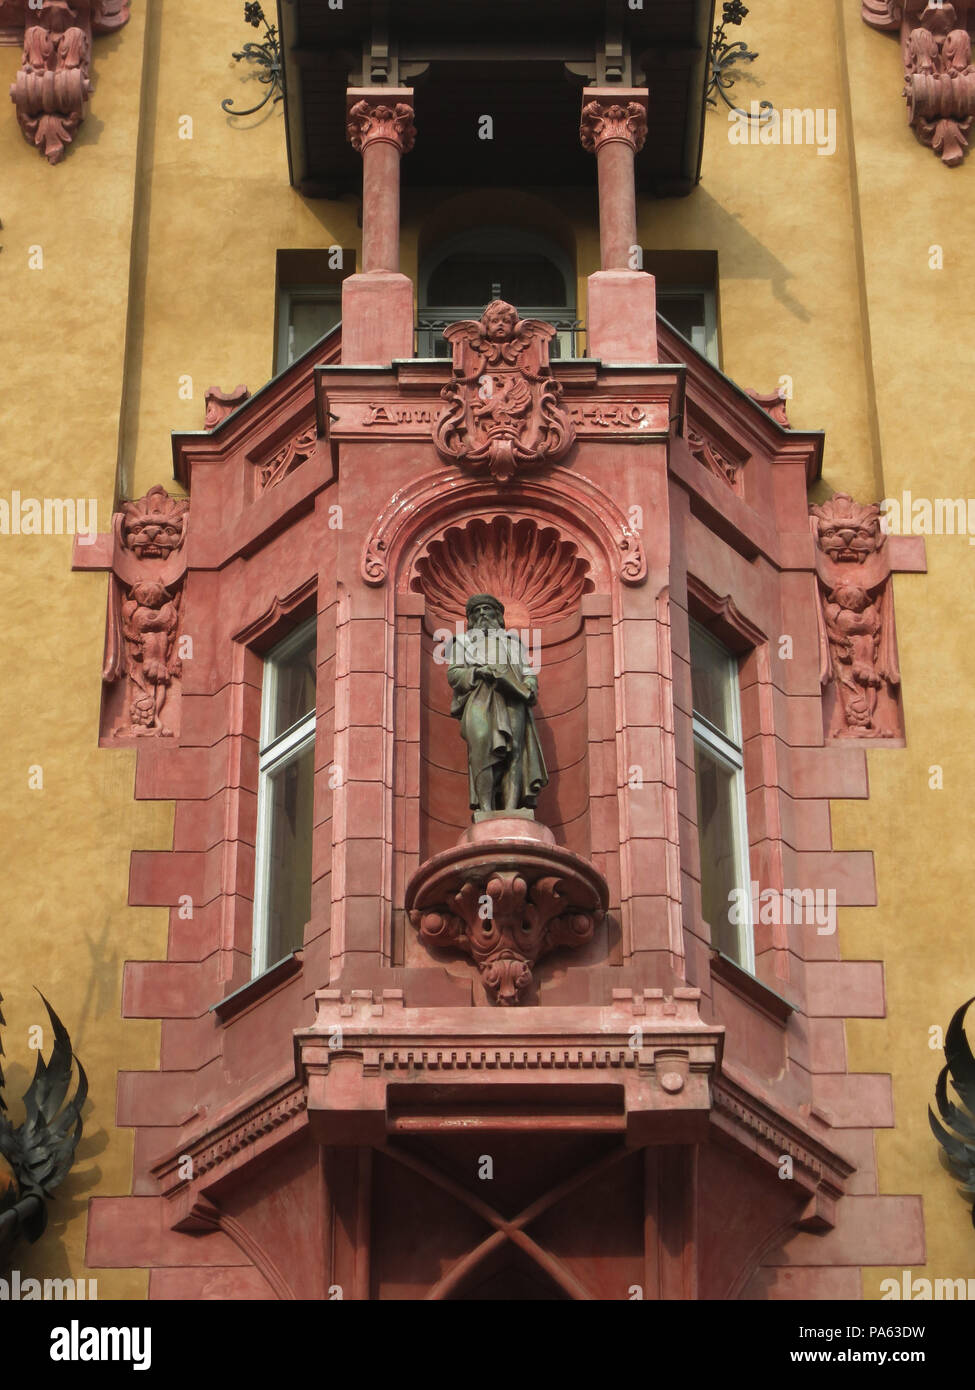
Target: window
{"type": "Point", "coordinates": [305, 314]}
{"type": "Point", "coordinates": [309, 299]}
{"type": "Point", "coordinates": [469, 270]}
{"type": "Point", "coordinates": [720, 779]}
{"type": "Point", "coordinates": [691, 310]}
{"type": "Point", "coordinates": [282, 873]}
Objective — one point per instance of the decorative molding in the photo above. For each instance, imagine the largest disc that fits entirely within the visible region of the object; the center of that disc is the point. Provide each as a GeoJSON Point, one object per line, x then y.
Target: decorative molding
{"type": "Point", "coordinates": [288, 458]}
{"type": "Point", "coordinates": [504, 409]}
{"type": "Point", "coordinates": [220, 404]}
{"type": "Point", "coordinates": [603, 122]}
{"type": "Point", "coordinates": [372, 120]}
{"type": "Point", "coordinates": [858, 649]}
{"type": "Point", "coordinates": [939, 79]}
{"type": "Point", "coordinates": [773, 404]}
{"type": "Point", "coordinates": [52, 88]}
{"type": "Point", "coordinates": [506, 904]}
{"type": "Point", "coordinates": [145, 595]}
{"type": "Point", "coordinates": [524, 564]}
{"type": "Point", "coordinates": [245, 1129]}
{"type": "Point", "coordinates": [706, 452]}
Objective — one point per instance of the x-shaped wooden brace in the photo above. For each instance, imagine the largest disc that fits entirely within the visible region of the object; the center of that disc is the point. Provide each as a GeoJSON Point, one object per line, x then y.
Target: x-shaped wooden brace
{"type": "Point", "coordinates": [505, 1229]}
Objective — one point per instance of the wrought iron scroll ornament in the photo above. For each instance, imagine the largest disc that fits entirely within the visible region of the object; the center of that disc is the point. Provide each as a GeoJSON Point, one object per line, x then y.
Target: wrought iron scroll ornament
{"type": "Point", "coordinates": [37, 1155]}
{"type": "Point", "coordinates": [958, 1140]}
{"type": "Point", "coordinates": [723, 56]}
{"type": "Point", "coordinates": [267, 54]}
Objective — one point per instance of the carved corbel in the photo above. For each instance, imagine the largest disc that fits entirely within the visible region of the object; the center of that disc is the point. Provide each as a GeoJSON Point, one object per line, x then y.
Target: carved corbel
{"type": "Point", "coordinates": [52, 88]}
{"type": "Point", "coordinates": [858, 651]}
{"type": "Point", "coordinates": [506, 905]}
{"type": "Point", "coordinates": [939, 79]}
{"type": "Point", "coordinates": [220, 404]}
{"type": "Point", "coordinates": [144, 611]}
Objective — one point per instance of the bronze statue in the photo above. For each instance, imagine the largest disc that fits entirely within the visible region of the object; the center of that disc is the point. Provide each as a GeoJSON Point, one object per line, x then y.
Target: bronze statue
{"type": "Point", "coordinates": [494, 690]}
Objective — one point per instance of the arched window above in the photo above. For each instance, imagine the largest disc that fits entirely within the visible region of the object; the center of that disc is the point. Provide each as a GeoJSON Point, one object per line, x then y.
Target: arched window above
{"type": "Point", "coordinates": [464, 273]}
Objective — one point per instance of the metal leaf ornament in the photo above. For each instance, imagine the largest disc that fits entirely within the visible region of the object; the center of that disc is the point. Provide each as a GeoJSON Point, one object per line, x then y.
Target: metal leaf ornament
{"type": "Point", "coordinates": [958, 1140]}
{"type": "Point", "coordinates": [37, 1155]}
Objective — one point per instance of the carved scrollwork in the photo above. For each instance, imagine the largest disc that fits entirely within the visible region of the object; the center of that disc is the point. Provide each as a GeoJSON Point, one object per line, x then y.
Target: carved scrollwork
{"type": "Point", "coordinates": [287, 458]}
{"type": "Point", "coordinates": [504, 411]}
{"type": "Point", "coordinates": [506, 905]}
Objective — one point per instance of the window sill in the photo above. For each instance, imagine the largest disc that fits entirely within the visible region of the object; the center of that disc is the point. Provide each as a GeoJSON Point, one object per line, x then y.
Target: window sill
{"type": "Point", "coordinates": [259, 988]}
{"type": "Point", "coordinates": [751, 989]}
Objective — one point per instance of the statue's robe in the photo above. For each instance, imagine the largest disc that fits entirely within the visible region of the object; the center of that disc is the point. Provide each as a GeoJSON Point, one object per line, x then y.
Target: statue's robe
{"type": "Point", "coordinates": [484, 708]}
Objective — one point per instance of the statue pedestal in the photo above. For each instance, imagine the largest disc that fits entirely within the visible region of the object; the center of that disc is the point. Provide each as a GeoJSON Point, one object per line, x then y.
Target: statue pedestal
{"type": "Point", "coordinates": [506, 895]}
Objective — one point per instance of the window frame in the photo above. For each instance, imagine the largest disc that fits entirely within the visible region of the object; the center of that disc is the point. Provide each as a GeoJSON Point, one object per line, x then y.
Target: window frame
{"type": "Point", "coordinates": [326, 293]}
{"type": "Point", "coordinates": [273, 754]}
{"type": "Point", "coordinates": [710, 298]}
{"type": "Point", "coordinates": [729, 753]}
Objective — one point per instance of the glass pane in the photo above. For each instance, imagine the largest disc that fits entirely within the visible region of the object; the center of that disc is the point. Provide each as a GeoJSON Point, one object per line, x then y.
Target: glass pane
{"type": "Point", "coordinates": [310, 320]}
{"type": "Point", "coordinates": [712, 684]}
{"type": "Point", "coordinates": [289, 879]}
{"type": "Point", "coordinates": [472, 278]}
{"type": "Point", "coordinates": [720, 857]}
{"type": "Point", "coordinates": [294, 686]}
{"type": "Point", "coordinates": [686, 313]}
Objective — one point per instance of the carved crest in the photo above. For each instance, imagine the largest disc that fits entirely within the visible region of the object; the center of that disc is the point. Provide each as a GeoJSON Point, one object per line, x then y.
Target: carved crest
{"type": "Point", "coordinates": [504, 411]}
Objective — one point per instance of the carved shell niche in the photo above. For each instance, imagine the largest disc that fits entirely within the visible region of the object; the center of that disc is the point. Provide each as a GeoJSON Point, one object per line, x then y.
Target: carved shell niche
{"type": "Point", "coordinates": [537, 574]}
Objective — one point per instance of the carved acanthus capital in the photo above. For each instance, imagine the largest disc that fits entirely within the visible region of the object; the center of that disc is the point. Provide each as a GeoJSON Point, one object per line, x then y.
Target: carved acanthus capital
{"type": "Point", "coordinates": [504, 410]}
{"type": "Point", "coordinates": [374, 120]}
{"type": "Point", "coordinates": [603, 121]}
{"type": "Point", "coordinates": [506, 903]}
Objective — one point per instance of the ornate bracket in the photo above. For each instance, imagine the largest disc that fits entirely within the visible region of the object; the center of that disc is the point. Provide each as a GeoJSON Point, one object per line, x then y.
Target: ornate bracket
{"type": "Point", "coordinates": [506, 902]}
{"type": "Point", "coordinates": [723, 56]}
{"type": "Point", "coordinates": [52, 88]}
{"type": "Point", "coordinates": [858, 651]}
{"type": "Point", "coordinates": [939, 79]}
{"type": "Point", "coordinates": [268, 57]}
{"type": "Point", "coordinates": [144, 610]}
{"type": "Point", "coordinates": [504, 411]}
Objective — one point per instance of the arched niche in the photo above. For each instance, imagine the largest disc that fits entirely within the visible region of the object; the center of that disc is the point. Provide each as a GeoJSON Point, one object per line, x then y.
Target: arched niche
{"type": "Point", "coordinates": [540, 575]}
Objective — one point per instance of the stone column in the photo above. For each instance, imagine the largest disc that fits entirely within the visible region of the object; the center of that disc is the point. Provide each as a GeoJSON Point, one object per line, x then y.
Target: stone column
{"type": "Point", "coordinates": [377, 302]}
{"type": "Point", "coordinates": [622, 318]}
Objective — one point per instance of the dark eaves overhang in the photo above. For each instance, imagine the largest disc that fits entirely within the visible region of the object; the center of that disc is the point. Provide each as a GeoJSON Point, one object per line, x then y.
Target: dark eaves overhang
{"type": "Point", "coordinates": [525, 64]}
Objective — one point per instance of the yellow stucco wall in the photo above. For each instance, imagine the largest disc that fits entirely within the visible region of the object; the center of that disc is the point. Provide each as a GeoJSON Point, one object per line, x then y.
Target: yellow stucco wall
{"type": "Point", "coordinates": [159, 264]}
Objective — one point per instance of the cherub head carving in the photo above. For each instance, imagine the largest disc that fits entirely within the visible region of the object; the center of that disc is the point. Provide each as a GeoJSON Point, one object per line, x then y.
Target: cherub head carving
{"type": "Point", "coordinates": [154, 526]}
{"type": "Point", "coordinates": [845, 531]}
{"type": "Point", "coordinates": [499, 321]}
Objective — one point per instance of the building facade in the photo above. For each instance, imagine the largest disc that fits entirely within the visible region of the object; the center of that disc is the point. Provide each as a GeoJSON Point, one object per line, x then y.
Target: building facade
{"type": "Point", "coordinates": [516, 312]}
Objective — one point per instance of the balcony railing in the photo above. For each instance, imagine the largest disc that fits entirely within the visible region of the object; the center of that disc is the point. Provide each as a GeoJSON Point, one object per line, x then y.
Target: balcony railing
{"type": "Point", "coordinates": [568, 342]}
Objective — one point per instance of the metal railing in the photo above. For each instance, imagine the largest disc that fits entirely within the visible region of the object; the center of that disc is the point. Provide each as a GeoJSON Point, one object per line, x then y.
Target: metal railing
{"type": "Point", "coordinates": [568, 342]}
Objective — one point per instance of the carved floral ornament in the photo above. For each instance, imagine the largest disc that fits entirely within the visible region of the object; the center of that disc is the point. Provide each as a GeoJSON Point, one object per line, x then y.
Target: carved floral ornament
{"type": "Point", "coordinates": [604, 121]}
{"type": "Point", "coordinates": [504, 410]}
{"type": "Point", "coordinates": [52, 88]}
{"type": "Point", "coordinates": [506, 906]}
{"type": "Point", "coordinates": [856, 619]}
{"type": "Point", "coordinates": [939, 79]}
{"type": "Point", "coordinates": [370, 121]}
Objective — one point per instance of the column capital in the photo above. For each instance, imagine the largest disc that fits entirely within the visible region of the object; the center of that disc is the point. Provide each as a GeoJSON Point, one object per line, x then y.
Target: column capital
{"type": "Point", "coordinates": [380, 114]}
{"type": "Point", "coordinates": [613, 114]}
